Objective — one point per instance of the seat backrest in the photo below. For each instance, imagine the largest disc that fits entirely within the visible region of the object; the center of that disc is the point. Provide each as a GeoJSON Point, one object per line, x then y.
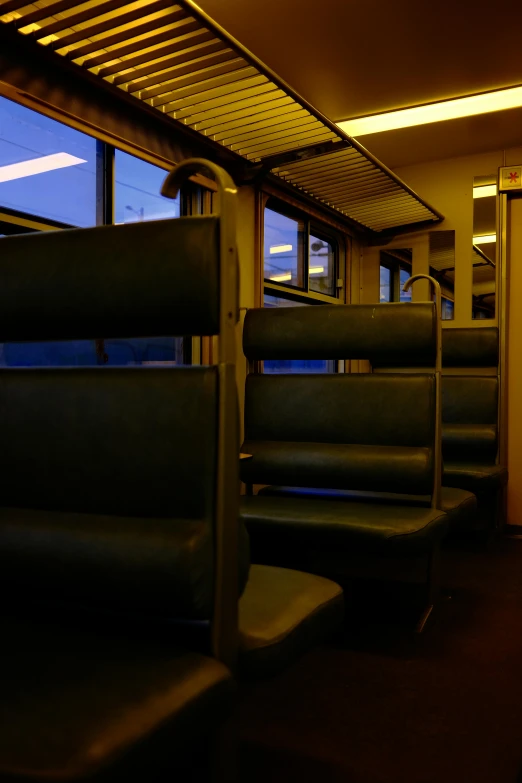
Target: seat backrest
{"type": "Point", "coordinates": [470, 394]}
{"type": "Point", "coordinates": [120, 484]}
{"type": "Point", "coordinates": [469, 415]}
{"type": "Point", "coordinates": [343, 431]}
{"type": "Point", "coordinates": [470, 347]}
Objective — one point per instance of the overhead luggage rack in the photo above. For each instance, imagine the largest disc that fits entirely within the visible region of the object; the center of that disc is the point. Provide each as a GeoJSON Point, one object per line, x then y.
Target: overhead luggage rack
{"type": "Point", "coordinates": [175, 59]}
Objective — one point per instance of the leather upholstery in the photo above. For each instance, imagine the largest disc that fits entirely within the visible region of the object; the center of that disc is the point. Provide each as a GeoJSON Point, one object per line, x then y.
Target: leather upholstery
{"type": "Point", "coordinates": [459, 505]}
{"type": "Point", "coordinates": [78, 702]}
{"type": "Point", "coordinates": [101, 433]}
{"type": "Point", "coordinates": [115, 468]}
{"type": "Point", "coordinates": [341, 431]}
{"type": "Point", "coordinates": [99, 282]}
{"type": "Point", "coordinates": [383, 468]}
{"type": "Point", "coordinates": [469, 415]}
{"type": "Point", "coordinates": [470, 347]}
{"type": "Point", "coordinates": [282, 613]}
{"type": "Point", "coordinates": [333, 525]}
{"type": "Point", "coordinates": [465, 441]}
{"type": "Point", "coordinates": [343, 332]}
{"type": "Point", "coordinates": [475, 477]}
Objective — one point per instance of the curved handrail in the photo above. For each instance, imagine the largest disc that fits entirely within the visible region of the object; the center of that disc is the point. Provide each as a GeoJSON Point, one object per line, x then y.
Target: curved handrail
{"type": "Point", "coordinates": [229, 283]}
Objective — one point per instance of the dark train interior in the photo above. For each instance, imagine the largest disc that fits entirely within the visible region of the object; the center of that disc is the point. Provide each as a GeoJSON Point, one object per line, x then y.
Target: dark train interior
{"type": "Point", "coordinates": [260, 388]}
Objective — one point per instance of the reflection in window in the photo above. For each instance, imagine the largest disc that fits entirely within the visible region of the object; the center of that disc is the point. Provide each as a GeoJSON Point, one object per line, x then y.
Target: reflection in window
{"type": "Point", "coordinates": [46, 168]}
{"type": "Point", "coordinates": [448, 309]}
{"type": "Point", "coordinates": [282, 251]}
{"type": "Point", "coordinates": [137, 191]}
{"type": "Point", "coordinates": [405, 274]}
{"type": "Point", "coordinates": [484, 250]}
{"type": "Point", "coordinates": [386, 284]}
{"type": "Point", "coordinates": [321, 266]}
{"type": "Point", "coordinates": [294, 365]}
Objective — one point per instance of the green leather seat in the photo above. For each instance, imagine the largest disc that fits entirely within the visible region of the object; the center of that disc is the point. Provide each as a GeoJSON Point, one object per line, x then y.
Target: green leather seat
{"type": "Point", "coordinates": [283, 613]}
{"type": "Point", "coordinates": [459, 506]}
{"type": "Point", "coordinates": [476, 478]}
{"type": "Point", "coordinates": [108, 523]}
{"type": "Point", "coordinates": [335, 525]}
{"type": "Point", "coordinates": [104, 705]}
{"type": "Point", "coordinates": [470, 412]}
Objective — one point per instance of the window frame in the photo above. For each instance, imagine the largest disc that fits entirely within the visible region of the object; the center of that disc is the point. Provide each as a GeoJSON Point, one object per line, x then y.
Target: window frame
{"type": "Point", "coordinates": [311, 226]}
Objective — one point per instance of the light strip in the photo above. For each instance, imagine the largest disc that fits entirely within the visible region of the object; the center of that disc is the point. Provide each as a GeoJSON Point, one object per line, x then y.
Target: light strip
{"type": "Point", "coordinates": [483, 103]}
{"type": "Point", "coordinates": [281, 278]}
{"type": "Point", "coordinates": [483, 191]}
{"type": "Point", "coordinates": [60, 160]}
{"type": "Point", "coordinates": [485, 239]}
{"type": "Point", "coordinates": [316, 270]}
{"type": "Point", "coordinates": [280, 249]}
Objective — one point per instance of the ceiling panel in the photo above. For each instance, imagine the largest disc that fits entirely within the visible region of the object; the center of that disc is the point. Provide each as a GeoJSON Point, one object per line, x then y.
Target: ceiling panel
{"type": "Point", "coordinates": [177, 61]}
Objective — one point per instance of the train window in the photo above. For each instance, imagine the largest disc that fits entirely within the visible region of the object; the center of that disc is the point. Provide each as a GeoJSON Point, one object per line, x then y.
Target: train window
{"type": "Point", "coordinates": [137, 191]}
{"type": "Point", "coordinates": [46, 169]}
{"type": "Point", "coordinates": [404, 274]}
{"type": "Point", "coordinates": [395, 269]}
{"type": "Point", "coordinates": [321, 266]}
{"type": "Point", "coordinates": [386, 284]}
{"type": "Point", "coordinates": [298, 254]}
{"type": "Point", "coordinates": [48, 177]}
{"type": "Point", "coordinates": [283, 249]}
{"type": "Point", "coordinates": [285, 366]}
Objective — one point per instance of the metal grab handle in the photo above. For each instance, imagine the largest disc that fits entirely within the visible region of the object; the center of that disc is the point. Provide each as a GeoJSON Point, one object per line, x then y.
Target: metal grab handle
{"type": "Point", "coordinates": [437, 478]}
{"type": "Point", "coordinates": [229, 281]}
{"type": "Point", "coordinates": [438, 312]}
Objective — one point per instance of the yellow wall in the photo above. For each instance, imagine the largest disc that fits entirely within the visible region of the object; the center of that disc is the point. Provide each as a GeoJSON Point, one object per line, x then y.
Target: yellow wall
{"type": "Point", "coordinates": [514, 362]}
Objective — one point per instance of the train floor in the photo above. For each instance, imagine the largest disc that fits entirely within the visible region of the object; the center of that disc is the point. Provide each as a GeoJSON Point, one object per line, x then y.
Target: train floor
{"type": "Point", "coordinates": [385, 705]}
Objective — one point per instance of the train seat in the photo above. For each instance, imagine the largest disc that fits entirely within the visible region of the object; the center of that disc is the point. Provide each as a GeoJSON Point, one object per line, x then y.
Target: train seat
{"type": "Point", "coordinates": [459, 506]}
{"type": "Point", "coordinates": [470, 416]}
{"type": "Point", "coordinates": [282, 613]}
{"type": "Point", "coordinates": [119, 522]}
{"type": "Point", "coordinates": [365, 432]}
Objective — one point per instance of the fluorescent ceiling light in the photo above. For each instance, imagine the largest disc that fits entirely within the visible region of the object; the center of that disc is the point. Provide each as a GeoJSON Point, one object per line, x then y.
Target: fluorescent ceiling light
{"type": "Point", "coordinates": [485, 239]}
{"type": "Point", "coordinates": [316, 270]}
{"type": "Point", "coordinates": [484, 103]}
{"type": "Point", "coordinates": [281, 278]}
{"type": "Point", "coordinates": [60, 160]}
{"type": "Point", "coordinates": [280, 248]}
{"type": "Point", "coordinates": [483, 191]}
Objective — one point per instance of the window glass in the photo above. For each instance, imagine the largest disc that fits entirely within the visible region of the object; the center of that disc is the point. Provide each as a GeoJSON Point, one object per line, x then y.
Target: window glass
{"type": "Point", "coordinates": [448, 309]}
{"type": "Point", "coordinates": [46, 168]}
{"type": "Point", "coordinates": [289, 365]}
{"type": "Point", "coordinates": [78, 353]}
{"type": "Point", "coordinates": [283, 257]}
{"type": "Point", "coordinates": [386, 280]}
{"type": "Point", "coordinates": [404, 296]}
{"type": "Point", "coordinates": [321, 266]}
{"type": "Point", "coordinates": [137, 191]}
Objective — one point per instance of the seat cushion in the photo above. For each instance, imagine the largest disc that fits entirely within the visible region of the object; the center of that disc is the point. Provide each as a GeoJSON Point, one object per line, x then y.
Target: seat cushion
{"type": "Point", "coordinates": [282, 613]}
{"type": "Point", "coordinates": [77, 703]}
{"type": "Point", "coordinates": [336, 525]}
{"type": "Point", "coordinates": [459, 505]}
{"type": "Point", "coordinates": [475, 478]}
